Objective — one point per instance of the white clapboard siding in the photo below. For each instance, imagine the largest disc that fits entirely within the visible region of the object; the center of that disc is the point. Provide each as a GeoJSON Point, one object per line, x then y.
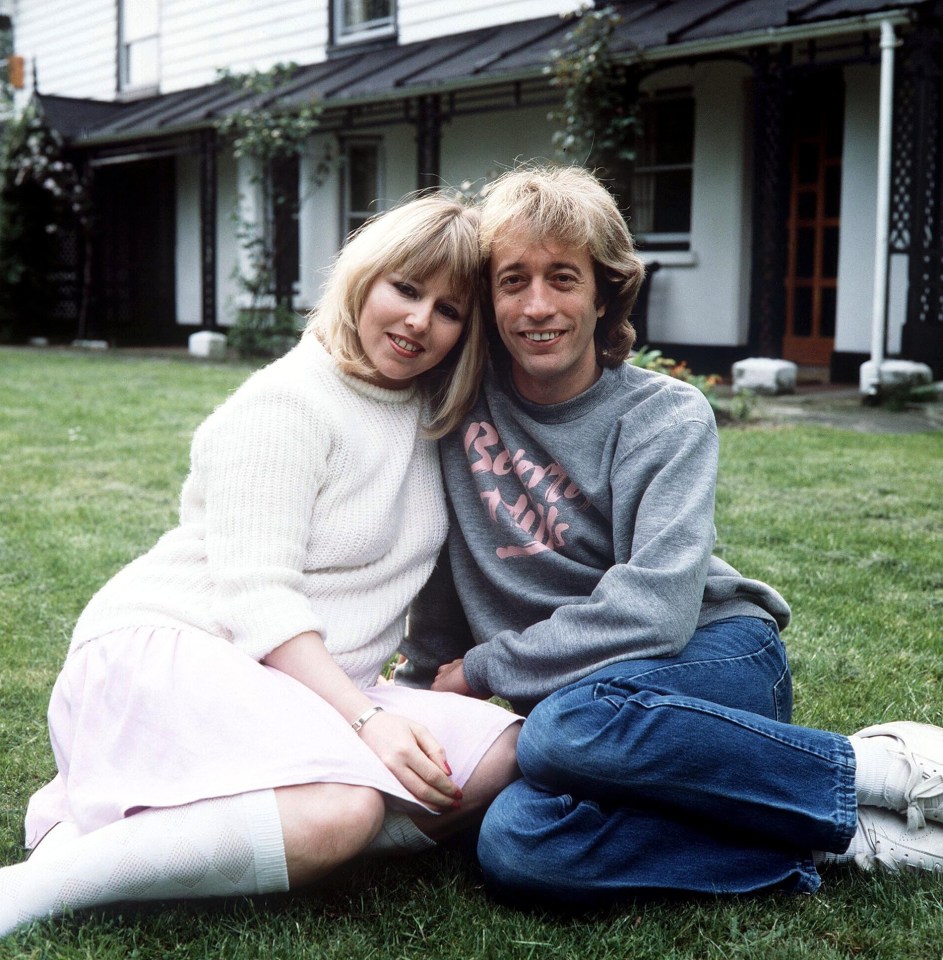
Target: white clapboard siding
{"type": "Point", "coordinates": [200, 38]}
{"type": "Point", "coordinates": [72, 47]}
{"type": "Point", "coordinates": [424, 19]}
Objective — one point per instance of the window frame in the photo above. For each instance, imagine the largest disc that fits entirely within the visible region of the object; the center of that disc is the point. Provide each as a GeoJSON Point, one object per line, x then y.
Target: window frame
{"type": "Point", "coordinates": [126, 84]}
{"type": "Point", "coordinates": [381, 28]}
{"type": "Point", "coordinates": [348, 214]}
{"type": "Point", "coordinates": [653, 240]}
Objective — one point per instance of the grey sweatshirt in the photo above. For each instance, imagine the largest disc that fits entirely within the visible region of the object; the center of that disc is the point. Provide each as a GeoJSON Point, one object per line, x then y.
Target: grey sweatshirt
{"type": "Point", "coordinates": [581, 534]}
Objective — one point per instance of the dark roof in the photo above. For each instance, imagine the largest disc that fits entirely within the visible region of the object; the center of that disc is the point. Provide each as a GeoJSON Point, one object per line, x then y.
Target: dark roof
{"type": "Point", "coordinates": [74, 118]}
{"type": "Point", "coordinates": [667, 23]}
{"type": "Point", "coordinates": [517, 51]}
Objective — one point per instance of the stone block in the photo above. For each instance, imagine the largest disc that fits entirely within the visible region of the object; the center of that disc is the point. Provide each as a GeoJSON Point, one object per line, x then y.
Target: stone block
{"type": "Point", "coordinates": [208, 344]}
{"type": "Point", "coordinates": [764, 375]}
{"type": "Point", "coordinates": [876, 378]}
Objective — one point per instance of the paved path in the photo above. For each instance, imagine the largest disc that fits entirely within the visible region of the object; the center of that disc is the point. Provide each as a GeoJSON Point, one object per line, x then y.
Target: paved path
{"type": "Point", "coordinates": [841, 407]}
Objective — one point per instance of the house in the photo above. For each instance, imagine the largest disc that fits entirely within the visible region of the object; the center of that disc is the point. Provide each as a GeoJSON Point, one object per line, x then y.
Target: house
{"type": "Point", "coordinates": [788, 178]}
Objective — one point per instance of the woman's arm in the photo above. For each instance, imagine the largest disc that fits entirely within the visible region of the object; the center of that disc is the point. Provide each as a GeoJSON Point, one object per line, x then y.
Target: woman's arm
{"type": "Point", "coordinates": [406, 748]}
{"type": "Point", "coordinates": [262, 460]}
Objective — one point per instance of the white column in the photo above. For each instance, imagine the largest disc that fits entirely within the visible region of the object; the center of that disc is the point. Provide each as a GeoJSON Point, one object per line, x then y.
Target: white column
{"type": "Point", "coordinates": [870, 379]}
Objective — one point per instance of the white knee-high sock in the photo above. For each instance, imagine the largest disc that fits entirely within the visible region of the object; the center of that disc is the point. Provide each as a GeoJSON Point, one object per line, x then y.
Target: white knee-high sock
{"type": "Point", "coordinates": [213, 848]}
{"type": "Point", "coordinates": [399, 835]}
{"type": "Point", "coordinates": [63, 833]}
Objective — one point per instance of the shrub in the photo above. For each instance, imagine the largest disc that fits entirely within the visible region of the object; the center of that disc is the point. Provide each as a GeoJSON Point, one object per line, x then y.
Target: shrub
{"type": "Point", "coordinates": [42, 199]}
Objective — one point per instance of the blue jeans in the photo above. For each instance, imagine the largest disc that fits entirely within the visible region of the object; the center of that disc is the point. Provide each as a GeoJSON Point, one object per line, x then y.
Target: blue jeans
{"type": "Point", "coordinates": [674, 774]}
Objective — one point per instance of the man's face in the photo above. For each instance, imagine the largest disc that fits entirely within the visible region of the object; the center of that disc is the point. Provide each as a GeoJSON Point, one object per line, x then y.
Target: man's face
{"type": "Point", "coordinates": [544, 296]}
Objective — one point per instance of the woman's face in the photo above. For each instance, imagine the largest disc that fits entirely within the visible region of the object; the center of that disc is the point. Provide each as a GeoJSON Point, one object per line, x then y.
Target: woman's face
{"type": "Point", "coordinates": [407, 326]}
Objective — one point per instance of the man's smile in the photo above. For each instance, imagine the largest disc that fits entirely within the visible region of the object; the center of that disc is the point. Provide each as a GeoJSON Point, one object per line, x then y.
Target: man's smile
{"type": "Point", "coordinates": [541, 336]}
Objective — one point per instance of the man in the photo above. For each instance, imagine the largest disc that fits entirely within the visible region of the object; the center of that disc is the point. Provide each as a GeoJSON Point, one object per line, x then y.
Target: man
{"type": "Point", "coordinates": [657, 754]}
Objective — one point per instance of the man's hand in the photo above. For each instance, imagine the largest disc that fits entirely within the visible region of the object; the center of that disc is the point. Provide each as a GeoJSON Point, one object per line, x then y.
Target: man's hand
{"type": "Point", "coordinates": [450, 678]}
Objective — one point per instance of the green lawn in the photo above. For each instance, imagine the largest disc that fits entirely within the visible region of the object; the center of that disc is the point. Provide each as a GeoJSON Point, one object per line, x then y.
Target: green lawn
{"type": "Point", "coordinates": [93, 449]}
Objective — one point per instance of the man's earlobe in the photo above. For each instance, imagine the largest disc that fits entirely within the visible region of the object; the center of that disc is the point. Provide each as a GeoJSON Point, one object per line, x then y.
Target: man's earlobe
{"type": "Point", "coordinates": [600, 310]}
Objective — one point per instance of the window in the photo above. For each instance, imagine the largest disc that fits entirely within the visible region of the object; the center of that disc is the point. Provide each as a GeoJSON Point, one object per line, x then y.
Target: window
{"type": "Point", "coordinates": [138, 59]}
{"type": "Point", "coordinates": [662, 177]}
{"type": "Point", "coordinates": [363, 182]}
{"type": "Point", "coordinates": [356, 20]}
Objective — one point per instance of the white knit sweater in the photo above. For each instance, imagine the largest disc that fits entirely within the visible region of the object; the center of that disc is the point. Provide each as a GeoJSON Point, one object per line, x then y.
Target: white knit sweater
{"type": "Point", "coordinates": [312, 503]}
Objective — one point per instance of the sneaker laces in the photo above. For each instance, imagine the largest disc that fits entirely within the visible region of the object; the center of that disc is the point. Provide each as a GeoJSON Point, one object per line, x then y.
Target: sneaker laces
{"type": "Point", "coordinates": [929, 788]}
{"type": "Point", "coordinates": [881, 851]}
{"type": "Point", "coordinates": [919, 790]}
{"type": "Point", "coordinates": [867, 858]}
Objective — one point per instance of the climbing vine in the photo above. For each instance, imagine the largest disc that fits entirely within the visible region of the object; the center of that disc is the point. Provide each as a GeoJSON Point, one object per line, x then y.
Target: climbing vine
{"type": "Point", "coordinates": [272, 136]}
{"type": "Point", "coordinates": [262, 128]}
{"type": "Point", "coordinates": [597, 118]}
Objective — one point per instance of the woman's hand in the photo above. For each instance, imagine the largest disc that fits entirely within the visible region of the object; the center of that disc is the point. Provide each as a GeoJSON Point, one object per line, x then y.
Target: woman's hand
{"type": "Point", "coordinates": [450, 678]}
{"type": "Point", "coordinates": [406, 748]}
{"type": "Point", "coordinates": [414, 757]}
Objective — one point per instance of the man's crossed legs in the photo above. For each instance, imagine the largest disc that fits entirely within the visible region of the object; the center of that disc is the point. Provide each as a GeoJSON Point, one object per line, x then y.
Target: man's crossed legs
{"type": "Point", "coordinates": [679, 774]}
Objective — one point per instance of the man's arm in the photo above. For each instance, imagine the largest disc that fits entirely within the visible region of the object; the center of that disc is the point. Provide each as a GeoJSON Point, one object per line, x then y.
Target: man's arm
{"type": "Point", "coordinates": [437, 630]}
{"type": "Point", "coordinates": [647, 604]}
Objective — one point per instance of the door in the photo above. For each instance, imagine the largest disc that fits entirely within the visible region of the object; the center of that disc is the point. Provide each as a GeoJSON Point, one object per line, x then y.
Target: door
{"type": "Point", "coordinates": [133, 254]}
{"type": "Point", "coordinates": [811, 282]}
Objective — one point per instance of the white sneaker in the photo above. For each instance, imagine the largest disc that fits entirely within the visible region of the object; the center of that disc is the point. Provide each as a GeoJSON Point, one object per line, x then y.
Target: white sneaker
{"type": "Point", "coordinates": [920, 745]}
{"type": "Point", "coordinates": [894, 846]}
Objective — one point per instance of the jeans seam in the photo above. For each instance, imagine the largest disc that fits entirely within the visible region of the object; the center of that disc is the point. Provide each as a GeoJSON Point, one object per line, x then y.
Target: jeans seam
{"type": "Point", "coordinates": [782, 715]}
{"type": "Point", "coordinates": [702, 706]}
{"type": "Point", "coordinates": [771, 639]}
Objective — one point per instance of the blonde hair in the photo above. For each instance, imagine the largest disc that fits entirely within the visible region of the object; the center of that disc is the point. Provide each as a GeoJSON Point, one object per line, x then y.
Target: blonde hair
{"type": "Point", "coordinates": [570, 206]}
{"type": "Point", "coordinates": [431, 233]}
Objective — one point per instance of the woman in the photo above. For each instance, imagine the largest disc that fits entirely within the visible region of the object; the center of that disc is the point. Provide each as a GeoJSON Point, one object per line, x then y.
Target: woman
{"type": "Point", "coordinates": [217, 724]}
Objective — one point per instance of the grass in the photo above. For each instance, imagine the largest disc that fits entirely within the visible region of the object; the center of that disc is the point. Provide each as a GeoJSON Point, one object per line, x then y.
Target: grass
{"type": "Point", "coordinates": [93, 449]}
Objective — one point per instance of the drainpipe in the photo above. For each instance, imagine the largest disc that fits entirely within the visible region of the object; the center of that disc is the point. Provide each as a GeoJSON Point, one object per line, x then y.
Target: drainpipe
{"type": "Point", "coordinates": [870, 375]}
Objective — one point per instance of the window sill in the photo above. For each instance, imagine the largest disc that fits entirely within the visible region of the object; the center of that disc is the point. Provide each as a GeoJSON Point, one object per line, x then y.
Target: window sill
{"type": "Point", "coordinates": [669, 258]}
{"type": "Point", "coordinates": [138, 93]}
{"type": "Point", "coordinates": [363, 41]}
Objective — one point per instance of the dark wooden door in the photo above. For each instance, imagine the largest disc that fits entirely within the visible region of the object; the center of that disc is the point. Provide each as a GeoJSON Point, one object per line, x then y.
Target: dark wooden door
{"type": "Point", "coordinates": [134, 300]}
{"type": "Point", "coordinates": [811, 282]}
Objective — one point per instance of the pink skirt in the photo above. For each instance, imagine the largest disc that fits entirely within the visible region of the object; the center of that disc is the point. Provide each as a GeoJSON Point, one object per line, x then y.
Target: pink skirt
{"type": "Point", "coordinates": [159, 717]}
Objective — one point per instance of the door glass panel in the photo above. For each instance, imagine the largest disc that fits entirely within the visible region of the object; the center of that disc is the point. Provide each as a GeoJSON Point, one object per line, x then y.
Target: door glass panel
{"type": "Point", "coordinates": [805, 252]}
{"type": "Point", "coordinates": [808, 201]}
{"type": "Point", "coordinates": [832, 190]}
{"type": "Point", "coordinates": [808, 169]}
{"type": "Point", "coordinates": [830, 253]}
{"type": "Point", "coordinates": [802, 312]}
{"type": "Point", "coordinates": [827, 315]}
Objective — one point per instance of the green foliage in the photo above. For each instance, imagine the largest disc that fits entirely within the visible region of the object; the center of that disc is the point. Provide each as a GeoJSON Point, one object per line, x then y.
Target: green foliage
{"type": "Point", "coordinates": [6, 50]}
{"type": "Point", "coordinates": [264, 333]}
{"type": "Point", "coordinates": [268, 135]}
{"type": "Point", "coordinates": [738, 408]}
{"type": "Point", "coordinates": [900, 396]}
{"type": "Point", "coordinates": [42, 197]}
{"type": "Point", "coordinates": [262, 130]}
{"type": "Point", "coordinates": [597, 118]}
{"type": "Point", "coordinates": [650, 359]}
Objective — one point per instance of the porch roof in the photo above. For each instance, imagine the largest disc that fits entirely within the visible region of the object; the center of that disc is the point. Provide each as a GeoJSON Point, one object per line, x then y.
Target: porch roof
{"type": "Point", "coordinates": [655, 29]}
